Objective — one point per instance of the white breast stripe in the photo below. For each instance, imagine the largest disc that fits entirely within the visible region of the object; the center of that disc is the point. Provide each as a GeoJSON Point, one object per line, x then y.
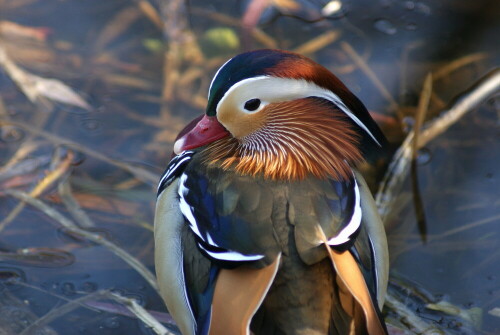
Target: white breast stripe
{"type": "Point", "coordinates": [188, 214]}
{"type": "Point", "coordinates": [353, 224]}
{"type": "Point", "coordinates": [185, 208]}
{"type": "Point", "coordinates": [224, 255]}
{"type": "Point", "coordinates": [231, 255]}
{"type": "Point", "coordinates": [272, 89]}
{"type": "Point", "coordinates": [174, 165]}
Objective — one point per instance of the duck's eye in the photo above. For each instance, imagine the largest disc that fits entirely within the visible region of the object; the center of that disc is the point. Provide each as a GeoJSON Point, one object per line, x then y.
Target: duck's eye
{"type": "Point", "coordinates": [252, 104]}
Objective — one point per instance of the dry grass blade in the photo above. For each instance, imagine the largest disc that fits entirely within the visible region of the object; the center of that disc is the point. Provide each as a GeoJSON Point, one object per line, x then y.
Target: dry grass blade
{"type": "Point", "coordinates": [141, 314]}
{"type": "Point", "coordinates": [458, 63]}
{"type": "Point", "coordinates": [46, 182]}
{"type": "Point", "coordinates": [138, 172]}
{"type": "Point", "coordinates": [24, 150]}
{"type": "Point", "coordinates": [96, 238]}
{"type": "Point", "coordinates": [151, 13]}
{"type": "Point", "coordinates": [266, 40]}
{"type": "Point", "coordinates": [318, 43]}
{"type": "Point", "coordinates": [436, 238]}
{"type": "Point", "coordinates": [12, 30]}
{"type": "Point", "coordinates": [116, 26]}
{"type": "Point", "coordinates": [370, 74]}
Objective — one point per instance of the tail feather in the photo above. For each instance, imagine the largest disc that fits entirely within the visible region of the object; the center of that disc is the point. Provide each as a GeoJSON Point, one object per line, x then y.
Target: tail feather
{"type": "Point", "coordinates": [354, 295]}
{"type": "Point", "coordinates": [238, 294]}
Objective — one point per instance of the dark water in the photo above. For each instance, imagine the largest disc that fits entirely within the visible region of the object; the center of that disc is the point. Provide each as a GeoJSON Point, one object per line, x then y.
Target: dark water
{"type": "Point", "coordinates": [111, 54]}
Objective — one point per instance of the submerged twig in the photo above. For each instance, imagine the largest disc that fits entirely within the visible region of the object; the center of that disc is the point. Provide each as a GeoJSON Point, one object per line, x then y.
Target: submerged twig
{"type": "Point", "coordinates": [371, 75]}
{"type": "Point", "coordinates": [79, 215]}
{"type": "Point", "coordinates": [96, 238]}
{"type": "Point", "coordinates": [138, 172]}
{"type": "Point", "coordinates": [141, 313]}
{"type": "Point", "coordinates": [17, 163]}
{"type": "Point", "coordinates": [84, 301]}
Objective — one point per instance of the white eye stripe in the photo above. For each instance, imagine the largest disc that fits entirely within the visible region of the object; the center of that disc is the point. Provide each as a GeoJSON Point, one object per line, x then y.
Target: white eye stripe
{"type": "Point", "coordinates": [345, 234]}
{"type": "Point", "coordinates": [272, 89]}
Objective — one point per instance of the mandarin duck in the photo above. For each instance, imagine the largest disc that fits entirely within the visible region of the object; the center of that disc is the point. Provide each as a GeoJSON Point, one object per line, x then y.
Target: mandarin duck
{"type": "Point", "coordinates": [263, 225]}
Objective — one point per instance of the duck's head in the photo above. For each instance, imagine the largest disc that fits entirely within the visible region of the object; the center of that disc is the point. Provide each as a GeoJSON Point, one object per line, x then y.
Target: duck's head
{"type": "Point", "coordinates": [280, 114]}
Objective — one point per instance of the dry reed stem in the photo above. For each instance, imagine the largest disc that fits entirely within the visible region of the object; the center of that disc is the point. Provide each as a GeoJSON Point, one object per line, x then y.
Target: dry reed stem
{"type": "Point", "coordinates": [141, 313]}
{"type": "Point", "coordinates": [423, 106]}
{"type": "Point", "coordinates": [400, 164]}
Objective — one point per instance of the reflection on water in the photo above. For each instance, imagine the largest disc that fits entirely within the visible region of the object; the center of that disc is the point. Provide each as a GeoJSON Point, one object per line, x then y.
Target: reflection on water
{"type": "Point", "coordinates": [122, 93]}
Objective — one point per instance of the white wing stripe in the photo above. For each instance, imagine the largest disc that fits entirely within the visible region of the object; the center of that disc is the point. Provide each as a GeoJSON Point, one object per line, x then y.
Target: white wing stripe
{"type": "Point", "coordinates": [353, 224]}
{"type": "Point", "coordinates": [185, 208]}
{"type": "Point", "coordinates": [231, 255]}
{"type": "Point", "coordinates": [180, 159]}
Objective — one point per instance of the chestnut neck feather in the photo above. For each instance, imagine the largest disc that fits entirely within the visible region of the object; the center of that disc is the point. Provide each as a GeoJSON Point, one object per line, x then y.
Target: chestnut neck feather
{"type": "Point", "coordinates": [298, 138]}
